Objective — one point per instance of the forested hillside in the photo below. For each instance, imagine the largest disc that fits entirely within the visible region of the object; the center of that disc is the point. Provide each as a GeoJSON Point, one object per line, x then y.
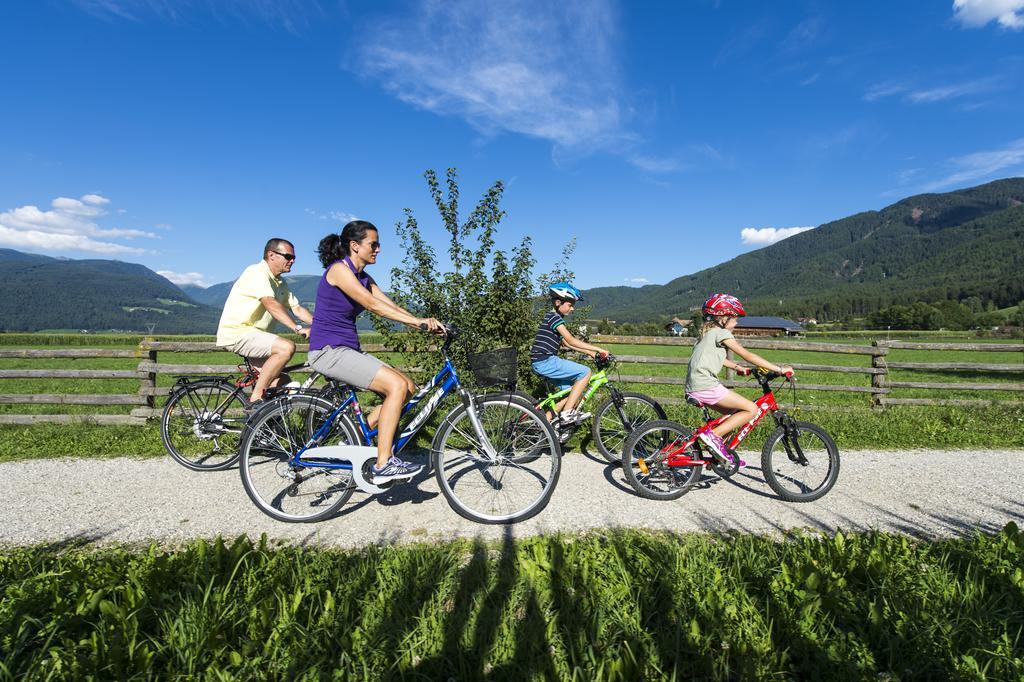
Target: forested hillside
{"type": "Point", "coordinates": [930, 247]}
{"type": "Point", "coordinates": [51, 293]}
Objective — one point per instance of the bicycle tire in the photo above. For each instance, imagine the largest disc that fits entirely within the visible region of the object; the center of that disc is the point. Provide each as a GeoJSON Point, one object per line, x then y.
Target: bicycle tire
{"type": "Point", "coordinates": [196, 429]}
{"type": "Point", "coordinates": [660, 482]}
{"type": "Point", "coordinates": [610, 433]}
{"type": "Point", "coordinates": [490, 492]}
{"type": "Point", "coordinates": [271, 481]}
{"type": "Point", "coordinates": [779, 470]}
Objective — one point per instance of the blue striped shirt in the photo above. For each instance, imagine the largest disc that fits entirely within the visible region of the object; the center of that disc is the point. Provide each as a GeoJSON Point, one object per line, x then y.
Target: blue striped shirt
{"type": "Point", "coordinates": [548, 341]}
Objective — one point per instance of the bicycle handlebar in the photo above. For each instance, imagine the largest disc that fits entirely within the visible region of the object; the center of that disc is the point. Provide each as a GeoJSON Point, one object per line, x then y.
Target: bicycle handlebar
{"type": "Point", "coordinates": [763, 375]}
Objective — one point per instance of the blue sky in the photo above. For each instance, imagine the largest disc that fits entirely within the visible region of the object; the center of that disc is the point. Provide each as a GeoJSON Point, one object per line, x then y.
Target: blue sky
{"type": "Point", "coordinates": [666, 137]}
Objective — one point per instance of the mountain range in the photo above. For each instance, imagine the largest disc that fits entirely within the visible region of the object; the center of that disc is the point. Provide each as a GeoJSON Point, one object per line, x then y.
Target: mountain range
{"type": "Point", "coordinates": [928, 247]}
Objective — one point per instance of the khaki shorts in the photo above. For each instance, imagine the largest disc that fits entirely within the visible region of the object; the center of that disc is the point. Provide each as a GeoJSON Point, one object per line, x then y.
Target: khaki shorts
{"type": "Point", "coordinates": [254, 344]}
{"type": "Point", "coordinates": [348, 365]}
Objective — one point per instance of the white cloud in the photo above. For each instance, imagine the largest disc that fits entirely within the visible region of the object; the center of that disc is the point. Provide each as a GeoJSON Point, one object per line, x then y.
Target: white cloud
{"type": "Point", "coordinates": [636, 281]}
{"type": "Point", "coordinates": [885, 89]}
{"type": "Point", "coordinates": [182, 278]}
{"type": "Point", "coordinates": [971, 168]}
{"type": "Point", "coordinates": [69, 226]}
{"type": "Point", "coordinates": [337, 216]}
{"type": "Point", "coordinates": [978, 13]}
{"type": "Point", "coordinates": [292, 15]}
{"type": "Point", "coordinates": [769, 235]}
{"type": "Point", "coordinates": [937, 93]}
{"type": "Point", "coordinates": [951, 91]}
{"type": "Point", "coordinates": [544, 70]}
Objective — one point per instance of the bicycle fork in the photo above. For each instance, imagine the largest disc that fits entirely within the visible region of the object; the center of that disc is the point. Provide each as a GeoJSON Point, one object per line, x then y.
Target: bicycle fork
{"type": "Point", "coordinates": [478, 429]}
{"type": "Point", "coordinates": [791, 440]}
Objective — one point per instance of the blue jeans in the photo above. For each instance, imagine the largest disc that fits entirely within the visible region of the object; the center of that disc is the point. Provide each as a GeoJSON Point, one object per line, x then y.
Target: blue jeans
{"type": "Point", "coordinates": [559, 371]}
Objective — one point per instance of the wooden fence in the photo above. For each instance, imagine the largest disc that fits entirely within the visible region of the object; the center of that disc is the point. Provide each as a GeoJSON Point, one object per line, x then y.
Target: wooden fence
{"type": "Point", "coordinates": [877, 386]}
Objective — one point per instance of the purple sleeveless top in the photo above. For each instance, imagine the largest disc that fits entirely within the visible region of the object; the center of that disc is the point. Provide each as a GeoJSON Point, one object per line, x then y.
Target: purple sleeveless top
{"type": "Point", "coordinates": [334, 315]}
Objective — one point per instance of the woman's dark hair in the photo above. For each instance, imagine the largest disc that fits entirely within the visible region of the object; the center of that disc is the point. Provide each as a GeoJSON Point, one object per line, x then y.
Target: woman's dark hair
{"type": "Point", "coordinates": [334, 247]}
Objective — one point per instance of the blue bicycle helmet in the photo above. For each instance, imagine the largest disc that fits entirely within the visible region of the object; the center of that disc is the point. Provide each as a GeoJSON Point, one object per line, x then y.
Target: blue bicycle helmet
{"type": "Point", "coordinates": [565, 292]}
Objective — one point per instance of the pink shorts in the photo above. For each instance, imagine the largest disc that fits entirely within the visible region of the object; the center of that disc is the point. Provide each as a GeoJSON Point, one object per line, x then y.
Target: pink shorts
{"type": "Point", "coordinates": [709, 396]}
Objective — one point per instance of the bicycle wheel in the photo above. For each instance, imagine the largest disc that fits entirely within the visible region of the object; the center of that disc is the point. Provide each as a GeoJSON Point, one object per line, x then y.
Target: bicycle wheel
{"type": "Point", "coordinates": [647, 448]}
{"type": "Point", "coordinates": [516, 484]}
{"type": "Point", "coordinates": [610, 431]}
{"type": "Point", "coordinates": [795, 478]}
{"type": "Point", "coordinates": [201, 425]}
{"type": "Point", "coordinates": [284, 490]}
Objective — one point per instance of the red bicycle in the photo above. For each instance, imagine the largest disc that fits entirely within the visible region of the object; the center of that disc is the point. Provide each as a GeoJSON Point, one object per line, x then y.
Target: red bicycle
{"type": "Point", "coordinates": [800, 462]}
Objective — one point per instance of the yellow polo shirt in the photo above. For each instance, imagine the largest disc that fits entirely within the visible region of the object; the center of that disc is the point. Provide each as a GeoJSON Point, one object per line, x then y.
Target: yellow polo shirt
{"type": "Point", "coordinates": [243, 311]}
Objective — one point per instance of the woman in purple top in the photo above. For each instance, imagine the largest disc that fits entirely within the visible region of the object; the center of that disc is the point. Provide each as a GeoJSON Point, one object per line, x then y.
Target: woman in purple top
{"type": "Point", "coordinates": [344, 291]}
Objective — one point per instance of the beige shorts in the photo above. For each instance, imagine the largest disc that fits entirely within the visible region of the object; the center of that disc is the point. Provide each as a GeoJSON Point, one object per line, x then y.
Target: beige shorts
{"type": "Point", "coordinates": [254, 344]}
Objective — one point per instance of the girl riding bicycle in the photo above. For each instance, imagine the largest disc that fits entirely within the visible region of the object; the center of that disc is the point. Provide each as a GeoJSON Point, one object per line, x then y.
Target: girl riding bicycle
{"type": "Point", "coordinates": [721, 313]}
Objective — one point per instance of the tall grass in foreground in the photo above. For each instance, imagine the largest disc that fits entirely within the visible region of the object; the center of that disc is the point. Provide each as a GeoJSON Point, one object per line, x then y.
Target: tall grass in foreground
{"type": "Point", "coordinates": [621, 605]}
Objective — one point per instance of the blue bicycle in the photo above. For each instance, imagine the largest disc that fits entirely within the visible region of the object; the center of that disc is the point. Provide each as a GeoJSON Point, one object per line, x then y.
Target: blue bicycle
{"type": "Point", "coordinates": [495, 456]}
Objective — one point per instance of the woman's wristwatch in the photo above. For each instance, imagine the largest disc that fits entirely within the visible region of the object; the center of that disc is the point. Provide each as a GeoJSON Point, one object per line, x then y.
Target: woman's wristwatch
{"type": "Point", "coordinates": [299, 327]}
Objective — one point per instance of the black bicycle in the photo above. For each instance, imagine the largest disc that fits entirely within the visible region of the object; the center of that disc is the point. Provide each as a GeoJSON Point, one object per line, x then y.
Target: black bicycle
{"type": "Point", "coordinates": [201, 425]}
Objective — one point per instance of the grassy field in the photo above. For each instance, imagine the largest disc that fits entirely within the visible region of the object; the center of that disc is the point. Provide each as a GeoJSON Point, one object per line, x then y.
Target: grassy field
{"type": "Point", "coordinates": [847, 416]}
{"type": "Point", "coordinates": [604, 606]}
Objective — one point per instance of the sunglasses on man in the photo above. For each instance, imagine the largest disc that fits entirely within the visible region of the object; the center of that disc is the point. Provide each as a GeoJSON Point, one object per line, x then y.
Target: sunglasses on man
{"type": "Point", "coordinates": [287, 256]}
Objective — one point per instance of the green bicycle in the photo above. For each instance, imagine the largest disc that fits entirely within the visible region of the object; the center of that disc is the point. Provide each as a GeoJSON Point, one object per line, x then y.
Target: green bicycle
{"type": "Point", "coordinates": [614, 418]}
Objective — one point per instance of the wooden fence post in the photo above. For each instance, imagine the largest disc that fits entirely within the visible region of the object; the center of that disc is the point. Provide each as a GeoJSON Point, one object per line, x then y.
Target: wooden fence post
{"type": "Point", "coordinates": [147, 385]}
{"type": "Point", "coordinates": [730, 373]}
{"type": "Point", "coordinates": [880, 379]}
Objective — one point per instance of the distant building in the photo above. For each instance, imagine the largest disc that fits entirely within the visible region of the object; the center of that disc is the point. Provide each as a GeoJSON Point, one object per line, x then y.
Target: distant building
{"type": "Point", "coordinates": [675, 329]}
{"type": "Point", "coordinates": [807, 320]}
{"type": "Point", "coordinates": [767, 326]}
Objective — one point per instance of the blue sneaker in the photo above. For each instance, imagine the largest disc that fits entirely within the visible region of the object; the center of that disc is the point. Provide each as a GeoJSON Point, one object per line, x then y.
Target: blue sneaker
{"type": "Point", "coordinates": [395, 469]}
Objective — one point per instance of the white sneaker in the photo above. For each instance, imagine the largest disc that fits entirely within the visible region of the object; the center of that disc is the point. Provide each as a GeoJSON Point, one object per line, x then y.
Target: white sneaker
{"type": "Point", "coordinates": [573, 417]}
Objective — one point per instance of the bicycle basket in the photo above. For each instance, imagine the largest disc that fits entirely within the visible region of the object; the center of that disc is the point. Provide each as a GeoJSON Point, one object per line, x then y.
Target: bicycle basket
{"type": "Point", "coordinates": [493, 367]}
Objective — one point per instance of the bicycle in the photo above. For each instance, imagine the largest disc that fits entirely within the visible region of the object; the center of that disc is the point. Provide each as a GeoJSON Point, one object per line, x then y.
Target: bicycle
{"type": "Point", "coordinates": [613, 419]}
{"type": "Point", "coordinates": [302, 457]}
{"type": "Point", "coordinates": [202, 421]}
{"type": "Point", "coordinates": [663, 460]}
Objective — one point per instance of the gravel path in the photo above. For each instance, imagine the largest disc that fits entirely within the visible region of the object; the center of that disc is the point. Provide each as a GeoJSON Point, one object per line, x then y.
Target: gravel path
{"type": "Point", "coordinates": [924, 493]}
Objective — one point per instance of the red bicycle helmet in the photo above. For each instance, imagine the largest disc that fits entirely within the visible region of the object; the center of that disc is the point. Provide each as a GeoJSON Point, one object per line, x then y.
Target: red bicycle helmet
{"type": "Point", "coordinates": [723, 304]}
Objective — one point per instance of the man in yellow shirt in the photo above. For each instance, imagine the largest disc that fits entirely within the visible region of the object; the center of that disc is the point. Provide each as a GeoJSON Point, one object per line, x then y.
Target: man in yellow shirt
{"type": "Point", "coordinates": [258, 297]}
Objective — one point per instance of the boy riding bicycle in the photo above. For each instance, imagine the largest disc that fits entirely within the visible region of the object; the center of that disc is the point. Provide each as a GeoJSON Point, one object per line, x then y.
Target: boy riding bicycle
{"type": "Point", "coordinates": [551, 334]}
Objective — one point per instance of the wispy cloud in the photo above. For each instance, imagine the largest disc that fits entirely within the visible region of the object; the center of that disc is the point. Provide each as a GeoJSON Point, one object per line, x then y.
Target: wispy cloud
{"type": "Point", "coordinates": [529, 67]}
{"type": "Point", "coordinates": [764, 236]}
{"type": "Point", "coordinates": [69, 226]}
{"type": "Point", "coordinates": [952, 91]}
{"type": "Point", "coordinates": [985, 165]}
{"type": "Point", "coordinates": [292, 15]}
{"type": "Point", "coordinates": [636, 281]}
{"type": "Point", "coordinates": [184, 278]}
{"type": "Point", "coordinates": [938, 93]}
{"type": "Point", "coordinates": [336, 216]}
{"type": "Point", "coordinates": [803, 35]}
{"type": "Point", "coordinates": [977, 13]}
{"type": "Point", "coordinates": [886, 89]}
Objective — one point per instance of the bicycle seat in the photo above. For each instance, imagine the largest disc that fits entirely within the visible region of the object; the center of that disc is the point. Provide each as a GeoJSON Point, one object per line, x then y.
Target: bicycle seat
{"type": "Point", "coordinates": [693, 401]}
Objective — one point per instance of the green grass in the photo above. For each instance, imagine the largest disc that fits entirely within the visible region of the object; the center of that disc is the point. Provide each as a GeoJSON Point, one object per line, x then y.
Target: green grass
{"type": "Point", "coordinates": [853, 429]}
{"type": "Point", "coordinates": [604, 606]}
